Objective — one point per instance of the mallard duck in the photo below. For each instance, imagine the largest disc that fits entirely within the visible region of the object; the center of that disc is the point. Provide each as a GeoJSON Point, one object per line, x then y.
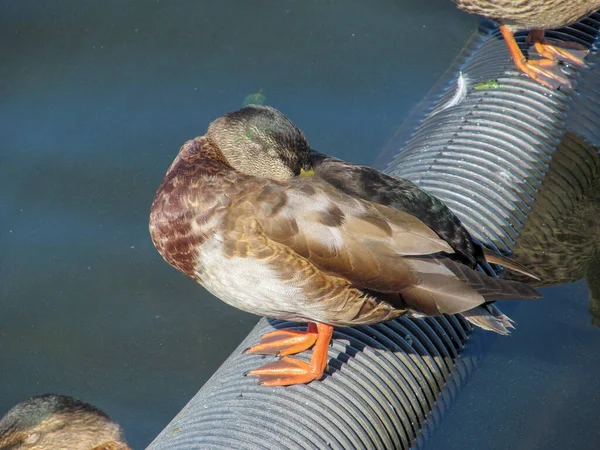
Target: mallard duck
{"type": "Point", "coordinates": [537, 16]}
{"type": "Point", "coordinates": [276, 229]}
{"type": "Point", "coordinates": [50, 422]}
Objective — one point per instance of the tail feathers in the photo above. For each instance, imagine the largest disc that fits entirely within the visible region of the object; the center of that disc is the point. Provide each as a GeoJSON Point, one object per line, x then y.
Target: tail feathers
{"type": "Point", "coordinates": [491, 288]}
{"type": "Point", "coordinates": [449, 287]}
{"type": "Point", "coordinates": [441, 294]}
{"type": "Point", "coordinates": [490, 318]}
{"type": "Point", "coordinates": [495, 258]}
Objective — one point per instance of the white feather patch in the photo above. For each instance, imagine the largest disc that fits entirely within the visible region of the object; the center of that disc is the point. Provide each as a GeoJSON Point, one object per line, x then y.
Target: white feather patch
{"type": "Point", "coordinates": [245, 283]}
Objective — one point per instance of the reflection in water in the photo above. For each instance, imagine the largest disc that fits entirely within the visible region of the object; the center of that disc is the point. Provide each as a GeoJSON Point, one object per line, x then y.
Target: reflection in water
{"type": "Point", "coordinates": [561, 238]}
{"type": "Point", "coordinates": [593, 282]}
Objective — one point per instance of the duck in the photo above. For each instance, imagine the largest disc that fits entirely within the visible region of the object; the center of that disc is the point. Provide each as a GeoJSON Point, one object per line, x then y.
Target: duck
{"type": "Point", "coordinates": [561, 237]}
{"type": "Point", "coordinates": [275, 228]}
{"type": "Point", "coordinates": [54, 421]}
{"type": "Point", "coordinates": [537, 16]}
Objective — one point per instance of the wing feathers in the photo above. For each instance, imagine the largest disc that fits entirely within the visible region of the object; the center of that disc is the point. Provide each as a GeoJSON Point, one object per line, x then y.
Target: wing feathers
{"type": "Point", "coordinates": [358, 240]}
{"type": "Point", "coordinates": [375, 248]}
{"type": "Point", "coordinates": [441, 294]}
{"type": "Point", "coordinates": [491, 288]}
{"type": "Point", "coordinates": [448, 287]}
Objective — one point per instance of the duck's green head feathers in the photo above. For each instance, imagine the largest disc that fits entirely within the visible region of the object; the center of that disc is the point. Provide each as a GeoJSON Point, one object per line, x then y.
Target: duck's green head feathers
{"type": "Point", "coordinates": [261, 141]}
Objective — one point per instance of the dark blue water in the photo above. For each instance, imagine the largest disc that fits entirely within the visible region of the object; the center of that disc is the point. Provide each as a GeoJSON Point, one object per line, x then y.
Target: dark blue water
{"type": "Point", "coordinates": [95, 99]}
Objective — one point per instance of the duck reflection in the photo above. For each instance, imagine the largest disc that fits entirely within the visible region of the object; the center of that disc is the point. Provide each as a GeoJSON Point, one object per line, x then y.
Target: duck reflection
{"type": "Point", "coordinates": [561, 238]}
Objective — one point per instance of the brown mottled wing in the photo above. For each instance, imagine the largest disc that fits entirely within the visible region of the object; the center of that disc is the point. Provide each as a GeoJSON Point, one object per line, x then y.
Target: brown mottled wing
{"type": "Point", "coordinates": [374, 247]}
{"type": "Point", "coordinates": [360, 241]}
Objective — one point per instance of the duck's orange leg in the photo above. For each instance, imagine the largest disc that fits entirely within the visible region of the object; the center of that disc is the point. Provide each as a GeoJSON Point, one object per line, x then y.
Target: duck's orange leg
{"type": "Point", "coordinates": [569, 52]}
{"type": "Point", "coordinates": [289, 371]}
{"type": "Point", "coordinates": [544, 71]}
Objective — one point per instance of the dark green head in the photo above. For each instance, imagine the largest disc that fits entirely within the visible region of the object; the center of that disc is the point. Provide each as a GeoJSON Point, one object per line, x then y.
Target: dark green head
{"type": "Point", "coordinates": [52, 421]}
{"type": "Point", "coordinates": [261, 141]}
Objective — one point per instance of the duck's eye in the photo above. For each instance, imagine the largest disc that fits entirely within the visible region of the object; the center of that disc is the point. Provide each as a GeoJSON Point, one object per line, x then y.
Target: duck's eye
{"type": "Point", "coordinates": [31, 438]}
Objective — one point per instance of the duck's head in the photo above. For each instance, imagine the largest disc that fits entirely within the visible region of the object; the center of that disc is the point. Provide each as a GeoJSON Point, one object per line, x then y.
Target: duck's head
{"type": "Point", "coordinates": [261, 141]}
{"type": "Point", "coordinates": [56, 421]}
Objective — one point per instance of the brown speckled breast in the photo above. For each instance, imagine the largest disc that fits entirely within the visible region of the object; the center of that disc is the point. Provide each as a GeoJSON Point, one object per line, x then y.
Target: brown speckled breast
{"type": "Point", "coordinates": [180, 218]}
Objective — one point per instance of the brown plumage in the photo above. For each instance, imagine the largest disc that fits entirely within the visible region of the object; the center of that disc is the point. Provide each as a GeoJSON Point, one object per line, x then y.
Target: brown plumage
{"type": "Point", "coordinates": [537, 15]}
{"type": "Point", "coordinates": [561, 237]}
{"type": "Point", "coordinates": [49, 422]}
{"type": "Point", "coordinates": [234, 214]}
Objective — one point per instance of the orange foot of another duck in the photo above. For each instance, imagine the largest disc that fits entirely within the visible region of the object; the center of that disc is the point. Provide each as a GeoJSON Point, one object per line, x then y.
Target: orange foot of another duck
{"type": "Point", "coordinates": [288, 371]}
{"type": "Point", "coordinates": [569, 52]}
{"type": "Point", "coordinates": [544, 71]}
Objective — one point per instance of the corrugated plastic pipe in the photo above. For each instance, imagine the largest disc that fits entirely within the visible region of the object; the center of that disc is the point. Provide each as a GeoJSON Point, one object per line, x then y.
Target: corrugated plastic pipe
{"type": "Point", "coordinates": [485, 150]}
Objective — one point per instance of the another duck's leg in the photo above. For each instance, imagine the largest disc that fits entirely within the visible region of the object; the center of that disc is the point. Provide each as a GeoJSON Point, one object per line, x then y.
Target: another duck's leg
{"type": "Point", "coordinates": [285, 342]}
{"type": "Point", "coordinates": [569, 52]}
{"type": "Point", "coordinates": [288, 371]}
{"type": "Point", "coordinates": [544, 71]}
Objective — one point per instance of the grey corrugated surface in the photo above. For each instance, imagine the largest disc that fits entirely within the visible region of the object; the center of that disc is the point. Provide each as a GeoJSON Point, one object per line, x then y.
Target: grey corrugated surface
{"type": "Point", "coordinates": [387, 386]}
{"type": "Point", "coordinates": [381, 384]}
{"type": "Point", "coordinates": [487, 156]}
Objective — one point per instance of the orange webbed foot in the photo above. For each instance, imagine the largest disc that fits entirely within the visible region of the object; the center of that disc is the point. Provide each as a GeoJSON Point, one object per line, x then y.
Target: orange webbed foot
{"type": "Point", "coordinates": [569, 52]}
{"type": "Point", "coordinates": [544, 71]}
{"type": "Point", "coordinates": [285, 372]}
{"type": "Point", "coordinates": [289, 371]}
{"type": "Point", "coordinates": [285, 342]}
